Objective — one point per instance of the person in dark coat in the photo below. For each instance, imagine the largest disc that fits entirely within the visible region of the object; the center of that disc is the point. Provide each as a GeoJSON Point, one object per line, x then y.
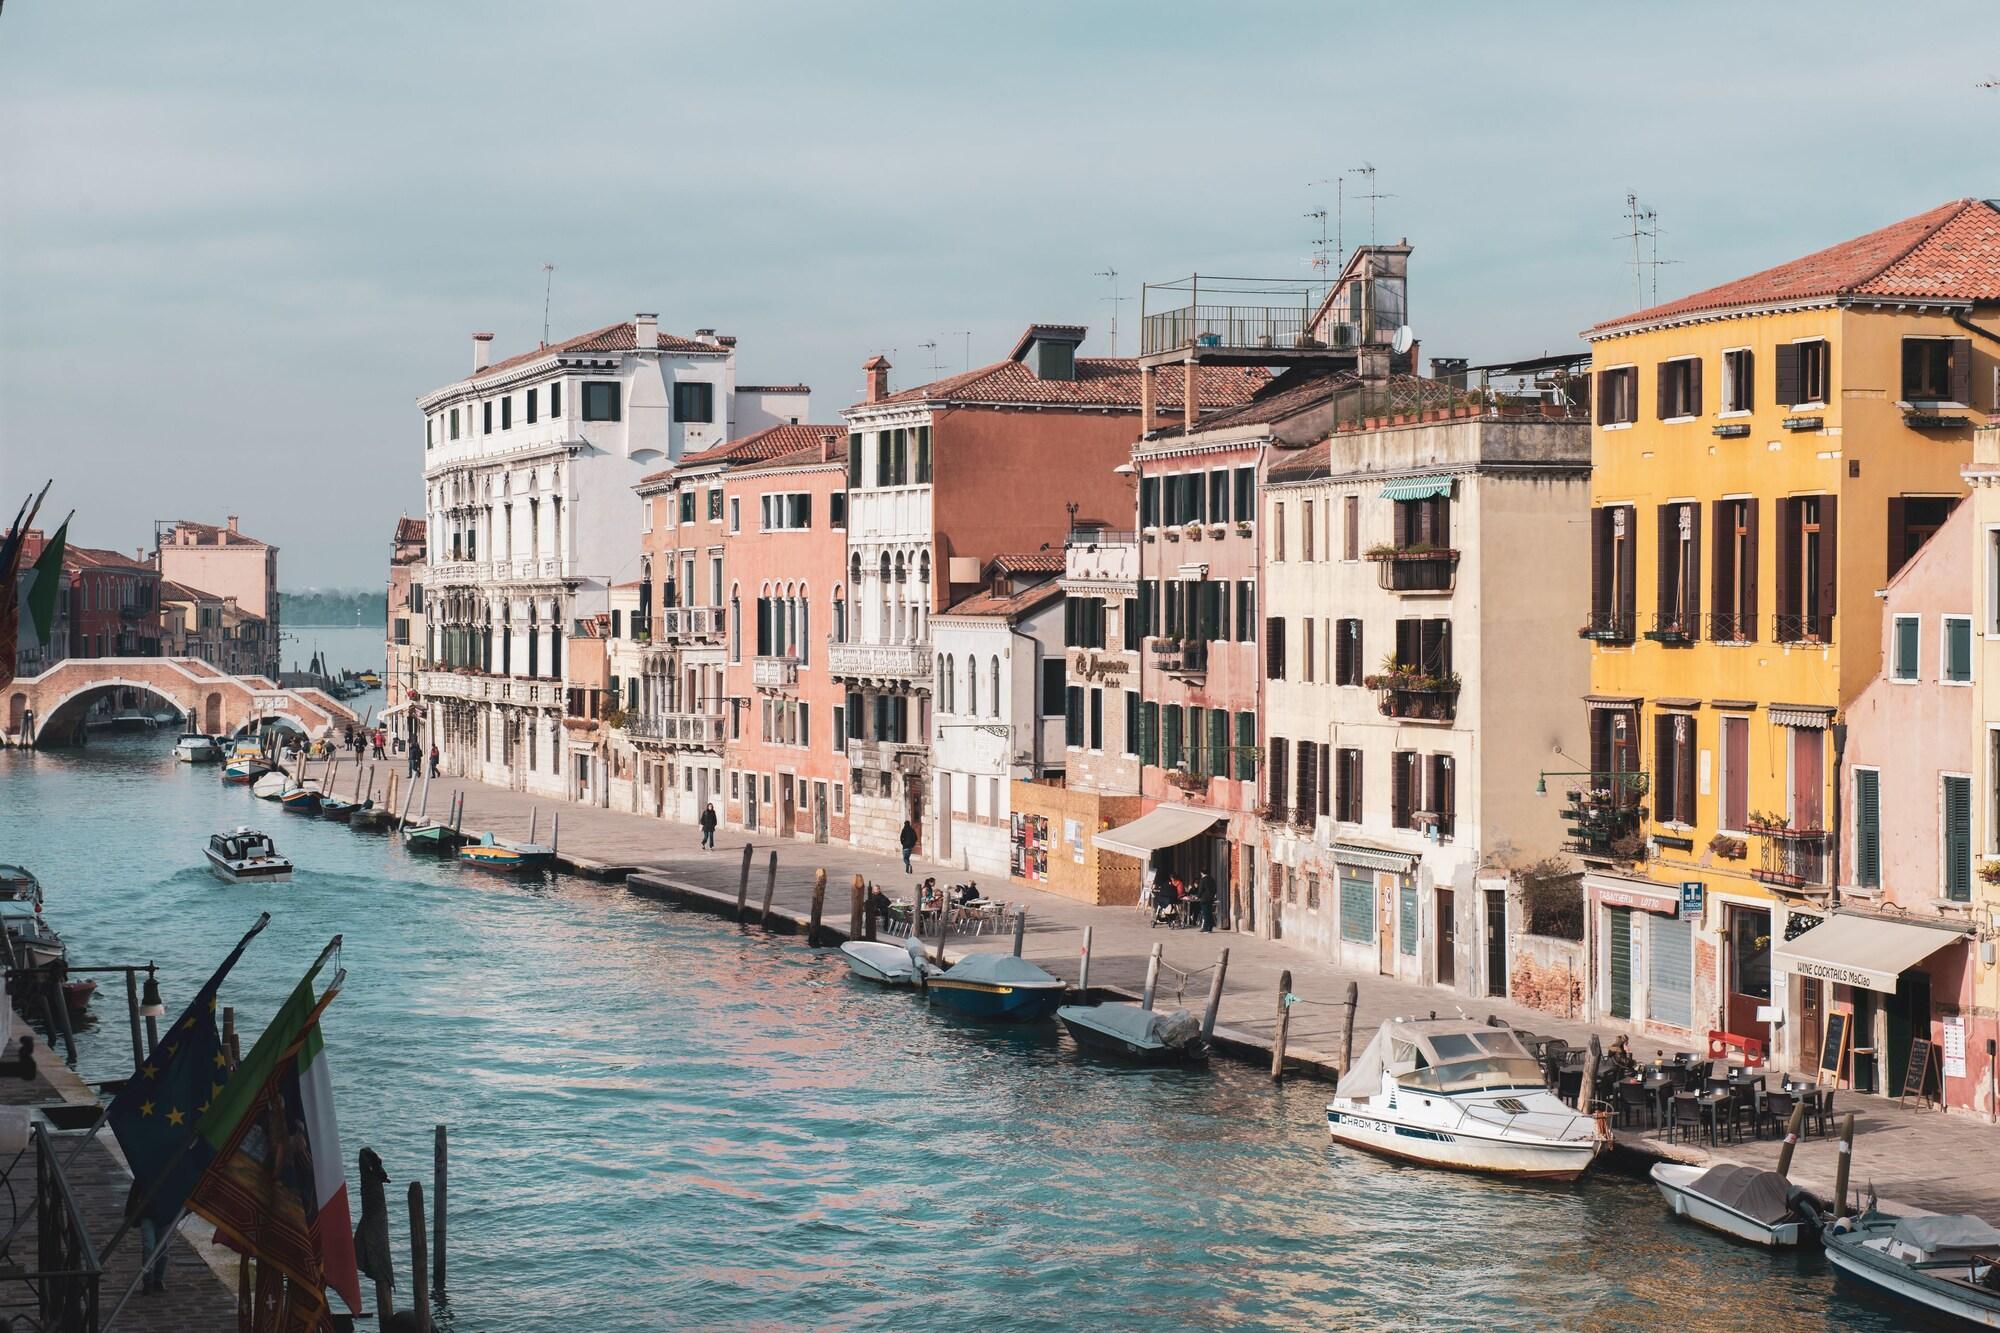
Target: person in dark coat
{"type": "Point", "coordinates": [878, 907]}
{"type": "Point", "coordinates": [1205, 894]}
{"type": "Point", "coordinates": [708, 826]}
{"type": "Point", "coordinates": [909, 844]}
{"type": "Point", "coordinates": [434, 761]}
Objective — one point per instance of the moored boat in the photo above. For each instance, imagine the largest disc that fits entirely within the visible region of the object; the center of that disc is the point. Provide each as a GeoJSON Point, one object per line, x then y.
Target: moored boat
{"type": "Point", "coordinates": [998, 987]}
{"type": "Point", "coordinates": [76, 996]}
{"type": "Point", "coordinates": [888, 964]}
{"type": "Point", "coordinates": [244, 855]}
{"type": "Point", "coordinates": [245, 770]}
{"type": "Point", "coordinates": [1946, 1266]}
{"type": "Point", "coordinates": [301, 798]}
{"type": "Point", "coordinates": [441, 839]}
{"type": "Point", "coordinates": [341, 812]}
{"type": "Point", "coordinates": [1746, 1202]}
{"type": "Point", "coordinates": [491, 855]}
{"type": "Point", "coordinates": [34, 941]}
{"type": "Point", "coordinates": [195, 748]}
{"type": "Point", "coordinates": [1462, 1095]}
{"type": "Point", "coordinates": [1133, 1032]}
{"type": "Point", "coordinates": [18, 884]}
{"type": "Point", "coordinates": [271, 785]}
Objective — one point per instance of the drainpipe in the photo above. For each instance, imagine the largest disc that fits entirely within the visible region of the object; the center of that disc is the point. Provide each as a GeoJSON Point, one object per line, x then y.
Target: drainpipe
{"type": "Point", "coordinates": [1839, 754]}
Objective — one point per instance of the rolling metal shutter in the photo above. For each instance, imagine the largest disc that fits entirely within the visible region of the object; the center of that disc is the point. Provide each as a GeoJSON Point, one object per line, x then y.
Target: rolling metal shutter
{"type": "Point", "coordinates": [1618, 948]}
{"type": "Point", "coordinates": [1357, 906]}
{"type": "Point", "coordinates": [1670, 971]}
{"type": "Point", "coordinates": [1406, 925]}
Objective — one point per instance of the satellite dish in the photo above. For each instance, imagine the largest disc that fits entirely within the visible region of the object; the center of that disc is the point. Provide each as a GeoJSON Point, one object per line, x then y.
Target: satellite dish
{"type": "Point", "coordinates": [1405, 336]}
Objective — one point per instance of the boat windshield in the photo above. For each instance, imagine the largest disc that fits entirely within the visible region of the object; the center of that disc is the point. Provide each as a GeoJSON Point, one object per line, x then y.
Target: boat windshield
{"type": "Point", "coordinates": [1476, 1061]}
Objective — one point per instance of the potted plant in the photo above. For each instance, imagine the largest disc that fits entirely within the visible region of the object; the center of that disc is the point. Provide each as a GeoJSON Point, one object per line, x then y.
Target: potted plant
{"type": "Point", "coordinates": [1990, 871]}
{"type": "Point", "coordinates": [1728, 848]}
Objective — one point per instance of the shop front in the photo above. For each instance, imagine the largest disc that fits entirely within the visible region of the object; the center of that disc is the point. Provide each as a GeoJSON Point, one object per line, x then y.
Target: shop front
{"type": "Point", "coordinates": [1176, 842]}
{"type": "Point", "coordinates": [1380, 911]}
{"type": "Point", "coordinates": [1643, 951]}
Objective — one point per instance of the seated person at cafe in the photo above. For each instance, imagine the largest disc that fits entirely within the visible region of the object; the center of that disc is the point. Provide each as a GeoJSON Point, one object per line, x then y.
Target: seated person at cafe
{"type": "Point", "coordinates": [1620, 1056]}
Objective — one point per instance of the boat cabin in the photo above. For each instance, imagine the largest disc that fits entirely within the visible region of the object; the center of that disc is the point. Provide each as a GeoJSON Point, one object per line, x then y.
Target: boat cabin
{"type": "Point", "coordinates": [1444, 1056]}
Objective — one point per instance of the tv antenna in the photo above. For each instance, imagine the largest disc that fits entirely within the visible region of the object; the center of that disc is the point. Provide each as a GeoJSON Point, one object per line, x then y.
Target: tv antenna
{"type": "Point", "coordinates": [1322, 260]}
{"type": "Point", "coordinates": [548, 287]}
{"type": "Point", "coordinates": [1367, 172]}
{"type": "Point", "coordinates": [1114, 299]}
{"type": "Point", "coordinates": [967, 335]}
{"type": "Point", "coordinates": [1644, 233]}
{"type": "Point", "coordinates": [931, 347]}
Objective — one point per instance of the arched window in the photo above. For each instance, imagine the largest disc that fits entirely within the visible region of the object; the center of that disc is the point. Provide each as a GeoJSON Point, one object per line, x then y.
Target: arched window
{"type": "Point", "coordinates": [972, 687]}
{"type": "Point", "coordinates": [996, 685]}
{"type": "Point", "coordinates": [947, 674]}
{"type": "Point", "coordinates": [839, 617]}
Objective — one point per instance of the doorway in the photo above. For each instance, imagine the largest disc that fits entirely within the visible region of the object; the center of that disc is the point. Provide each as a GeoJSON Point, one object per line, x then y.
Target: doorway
{"type": "Point", "coordinates": [750, 801]}
{"type": "Point", "coordinates": [1749, 936]}
{"type": "Point", "coordinates": [1385, 926]}
{"type": "Point", "coordinates": [1496, 942]}
{"type": "Point", "coordinates": [788, 815]}
{"type": "Point", "coordinates": [700, 791]}
{"type": "Point", "coordinates": [1447, 939]}
{"type": "Point", "coordinates": [820, 826]}
{"type": "Point", "coordinates": [1909, 1015]}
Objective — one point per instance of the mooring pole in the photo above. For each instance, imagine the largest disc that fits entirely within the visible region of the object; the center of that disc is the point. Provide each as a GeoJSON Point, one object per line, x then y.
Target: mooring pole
{"type": "Point", "coordinates": [1283, 1027]}
{"type": "Point", "coordinates": [1214, 996]}
{"type": "Point", "coordinates": [819, 906]}
{"type": "Point", "coordinates": [944, 922]}
{"type": "Point", "coordinates": [1845, 1160]}
{"type": "Point", "coordinates": [1020, 929]}
{"type": "Point", "coordinates": [420, 1291]}
{"type": "Point", "coordinates": [1083, 968]}
{"type": "Point", "coordinates": [1152, 977]}
{"type": "Point", "coordinates": [743, 883]}
{"type": "Point", "coordinates": [1347, 1027]}
{"type": "Point", "coordinates": [855, 907]}
{"type": "Point", "coordinates": [770, 884]}
{"type": "Point", "coordinates": [132, 1007]}
{"type": "Point", "coordinates": [1792, 1127]}
{"type": "Point", "coordinates": [438, 1173]}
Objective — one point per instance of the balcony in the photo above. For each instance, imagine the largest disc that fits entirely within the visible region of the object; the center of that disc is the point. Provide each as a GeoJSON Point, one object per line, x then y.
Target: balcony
{"type": "Point", "coordinates": [1793, 858]}
{"type": "Point", "coordinates": [677, 730]}
{"type": "Point", "coordinates": [1809, 628]}
{"type": "Point", "coordinates": [885, 756]}
{"type": "Point", "coordinates": [1731, 627]}
{"type": "Point", "coordinates": [1415, 568]}
{"type": "Point", "coordinates": [1608, 627]}
{"type": "Point", "coordinates": [693, 624]}
{"type": "Point", "coordinates": [1410, 695]}
{"type": "Point", "coordinates": [774, 673]}
{"type": "Point", "coordinates": [1674, 628]}
{"type": "Point", "coordinates": [895, 663]}
{"type": "Point", "coordinates": [1603, 819]}
{"type": "Point", "coordinates": [1179, 657]}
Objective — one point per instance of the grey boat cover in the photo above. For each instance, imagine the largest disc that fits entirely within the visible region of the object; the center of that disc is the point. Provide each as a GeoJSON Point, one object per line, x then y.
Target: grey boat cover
{"type": "Point", "coordinates": [999, 969]}
{"type": "Point", "coordinates": [1946, 1233]}
{"type": "Point", "coordinates": [1750, 1190]}
{"type": "Point", "coordinates": [1141, 1027]}
{"type": "Point", "coordinates": [1399, 1043]}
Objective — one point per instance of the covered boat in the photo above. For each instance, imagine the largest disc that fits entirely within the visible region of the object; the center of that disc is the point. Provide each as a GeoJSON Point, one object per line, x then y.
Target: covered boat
{"type": "Point", "coordinates": [1944, 1266]}
{"type": "Point", "coordinates": [998, 986]}
{"type": "Point", "coordinates": [18, 884]}
{"type": "Point", "coordinates": [890, 964]}
{"type": "Point", "coordinates": [195, 748]}
{"type": "Point", "coordinates": [34, 940]}
{"type": "Point", "coordinates": [1746, 1202]}
{"type": "Point", "coordinates": [1454, 1093]}
{"type": "Point", "coordinates": [244, 855]}
{"type": "Point", "coordinates": [272, 785]}
{"type": "Point", "coordinates": [332, 807]}
{"type": "Point", "coordinates": [1133, 1032]}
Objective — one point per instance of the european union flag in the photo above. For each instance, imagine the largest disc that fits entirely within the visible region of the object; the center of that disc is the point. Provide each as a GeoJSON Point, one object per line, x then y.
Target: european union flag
{"type": "Point", "coordinates": [154, 1115]}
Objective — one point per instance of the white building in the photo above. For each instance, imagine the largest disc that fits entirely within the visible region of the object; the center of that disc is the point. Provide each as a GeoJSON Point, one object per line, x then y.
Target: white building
{"type": "Point", "coordinates": [529, 465]}
{"type": "Point", "coordinates": [998, 710]}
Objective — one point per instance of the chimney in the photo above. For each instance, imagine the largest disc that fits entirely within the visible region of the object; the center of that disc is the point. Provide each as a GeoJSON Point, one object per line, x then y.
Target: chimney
{"type": "Point", "coordinates": [482, 351]}
{"type": "Point", "coordinates": [232, 523]}
{"type": "Point", "coordinates": [877, 369]}
{"type": "Point", "coordinates": [826, 447]}
{"type": "Point", "coordinates": [646, 331]}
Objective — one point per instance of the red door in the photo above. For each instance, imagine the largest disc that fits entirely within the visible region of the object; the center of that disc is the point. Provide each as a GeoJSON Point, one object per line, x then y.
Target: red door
{"type": "Point", "coordinates": [1749, 972]}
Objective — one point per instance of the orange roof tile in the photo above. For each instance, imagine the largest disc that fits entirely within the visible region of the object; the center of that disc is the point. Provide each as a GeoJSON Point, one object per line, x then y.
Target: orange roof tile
{"type": "Point", "coordinates": [610, 338]}
{"type": "Point", "coordinates": [1101, 381]}
{"type": "Point", "coordinates": [1010, 605]}
{"type": "Point", "coordinates": [756, 447]}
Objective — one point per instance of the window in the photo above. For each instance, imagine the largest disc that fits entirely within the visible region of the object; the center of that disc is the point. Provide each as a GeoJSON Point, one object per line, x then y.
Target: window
{"type": "Point", "coordinates": [1679, 602]}
{"type": "Point", "coordinates": [1957, 650]}
{"type": "Point", "coordinates": [1246, 494]}
{"type": "Point", "coordinates": [1733, 572]}
{"type": "Point", "coordinates": [836, 510]}
{"type": "Point", "coordinates": [1613, 570]}
{"type": "Point", "coordinates": [1803, 371]}
{"type": "Point", "coordinates": [1867, 828]}
{"type": "Point", "coordinates": [507, 412]}
{"type": "Point", "coordinates": [1347, 786]}
{"type": "Point", "coordinates": [1306, 643]}
{"type": "Point", "coordinates": [839, 728]}
{"type": "Point", "coordinates": [1680, 389]}
{"type": "Point", "coordinates": [486, 417]}
{"type": "Point", "coordinates": [1246, 611]}
{"type": "Point", "coordinates": [1406, 921]}
{"type": "Point", "coordinates": [600, 400]}
{"type": "Point", "coordinates": [854, 461]}
{"type": "Point", "coordinates": [1350, 527]}
{"type": "Point", "coordinates": [1305, 786]}
{"type": "Point", "coordinates": [1274, 648]}
{"type": "Point", "coordinates": [555, 400]}
{"type": "Point", "coordinates": [1305, 530]}
{"type": "Point", "coordinates": [735, 514]}
{"type": "Point", "coordinates": [923, 434]}
{"type": "Point", "coordinates": [1618, 396]}
{"type": "Point", "coordinates": [531, 405]}
{"type": "Point", "coordinates": [693, 401]}
{"type": "Point", "coordinates": [1937, 370]}
{"type": "Point", "coordinates": [785, 511]}
{"type": "Point", "coordinates": [1218, 495]}
{"type": "Point", "coordinates": [1357, 906]}
{"type": "Point", "coordinates": [1673, 769]}
{"type": "Point", "coordinates": [1806, 565]}
{"type": "Point", "coordinates": [1739, 380]}
{"type": "Point", "coordinates": [1131, 722]}
{"type": "Point", "coordinates": [1073, 717]}
{"type": "Point", "coordinates": [1735, 802]}
{"type": "Point", "coordinates": [454, 423]}
{"type": "Point", "coordinates": [1246, 747]}
{"type": "Point", "coordinates": [685, 514]}
{"type": "Point", "coordinates": [1083, 622]}
{"type": "Point", "coordinates": [1405, 788]}
{"type": "Point", "coordinates": [1053, 682]}
{"type": "Point", "coordinates": [1956, 818]}
{"type": "Point", "coordinates": [1347, 657]}
{"type": "Point", "coordinates": [1443, 803]}
{"type": "Point", "coordinates": [1170, 736]}
{"type": "Point", "coordinates": [1096, 718]}
{"type": "Point", "coordinates": [1277, 766]}
{"type": "Point", "coordinates": [715, 506]}
{"type": "Point", "coordinates": [1277, 532]}
{"type": "Point", "coordinates": [1149, 733]}
{"type": "Point", "coordinates": [1912, 520]}
{"type": "Point", "coordinates": [1904, 650]}
{"type": "Point", "coordinates": [1149, 502]}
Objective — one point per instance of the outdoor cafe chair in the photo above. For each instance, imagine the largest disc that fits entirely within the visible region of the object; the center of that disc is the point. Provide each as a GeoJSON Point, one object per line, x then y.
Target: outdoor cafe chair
{"type": "Point", "coordinates": [1776, 1110]}
{"type": "Point", "coordinates": [1635, 1102]}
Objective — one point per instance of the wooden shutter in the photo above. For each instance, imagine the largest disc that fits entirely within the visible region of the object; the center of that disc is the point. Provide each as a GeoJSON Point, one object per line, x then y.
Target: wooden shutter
{"type": "Point", "coordinates": [1961, 370]}
{"type": "Point", "coordinates": [1307, 785]}
{"type": "Point", "coordinates": [1604, 399]}
{"type": "Point", "coordinates": [1662, 405]}
{"type": "Point", "coordinates": [1668, 563]}
{"type": "Point", "coordinates": [1958, 839]}
{"type": "Point", "coordinates": [1786, 566]}
{"type": "Point", "coordinates": [1399, 788]}
{"type": "Point", "coordinates": [1789, 388]}
{"type": "Point", "coordinates": [1274, 648]}
{"type": "Point", "coordinates": [1274, 769]}
{"type": "Point", "coordinates": [1600, 561]}
{"type": "Point", "coordinates": [1867, 828]}
{"type": "Point", "coordinates": [1898, 531]}
{"type": "Point", "coordinates": [1218, 743]}
{"type": "Point", "coordinates": [1749, 608]}
{"type": "Point", "coordinates": [1722, 560]}
{"type": "Point", "coordinates": [1149, 734]}
{"type": "Point", "coordinates": [1600, 741]}
{"type": "Point", "coordinates": [1825, 596]}
{"type": "Point", "coordinates": [1685, 751]}
{"type": "Point", "coordinates": [1666, 783]}
{"type": "Point", "coordinates": [1325, 780]}
{"type": "Point", "coordinates": [1736, 771]}
{"type": "Point", "coordinates": [1694, 387]}
{"type": "Point", "coordinates": [1628, 566]}
{"type": "Point", "coordinates": [1246, 742]}
{"type": "Point", "coordinates": [1443, 794]}
{"type": "Point", "coordinates": [1691, 609]}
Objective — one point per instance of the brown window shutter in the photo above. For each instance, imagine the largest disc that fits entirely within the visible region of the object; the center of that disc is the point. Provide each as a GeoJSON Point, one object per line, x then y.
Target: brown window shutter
{"type": "Point", "coordinates": [1307, 801]}
{"type": "Point", "coordinates": [1274, 773]}
{"type": "Point", "coordinates": [1684, 753]}
{"type": "Point", "coordinates": [1826, 596]}
{"type": "Point", "coordinates": [1691, 613]}
{"type": "Point", "coordinates": [1694, 387]}
{"type": "Point", "coordinates": [1961, 370]}
{"type": "Point", "coordinates": [1274, 648]}
{"type": "Point", "coordinates": [1786, 566]}
{"type": "Point", "coordinates": [1749, 608]}
{"type": "Point", "coordinates": [1604, 400]}
{"type": "Point", "coordinates": [1442, 537]}
{"type": "Point", "coordinates": [1746, 388]}
{"type": "Point", "coordinates": [1444, 787]}
{"type": "Point", "coordinates": [1409, 642]}
{"type": "Point", "coordinates": [1666, 782]}
{"type": "Point", "coordinates": [1722, 560]}
{"type": "Point", "coordinates": [1325, 778]}
{"type": "Point", "coordinates": [1628, 564]}
{"type": "Point", "coordinates": [1789, 387]}
{"type": "Point", "coordinates": [1899, 535]}
{"type": "Point", "coordinates": [1600, 561]}
{"type": "Point", "coordinates": [1399, 789]}
{"type": "Point", "coordinates": [1600, 740]}
{"type": "Point", "coordinates": [1662, 404]}
{"type": "Point", "coordinates": [1667, 563]}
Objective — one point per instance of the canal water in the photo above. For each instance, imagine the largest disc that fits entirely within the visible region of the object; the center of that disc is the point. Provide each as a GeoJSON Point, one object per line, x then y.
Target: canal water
{"type": "Point", "coordinates": [662, 1121]}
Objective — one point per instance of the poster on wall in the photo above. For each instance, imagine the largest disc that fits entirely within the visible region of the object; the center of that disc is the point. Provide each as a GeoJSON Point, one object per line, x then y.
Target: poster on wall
{"type": "Point", "coordinates": [1073, 835]}
{"type": "Point", "coordinates": [1954, 1046]}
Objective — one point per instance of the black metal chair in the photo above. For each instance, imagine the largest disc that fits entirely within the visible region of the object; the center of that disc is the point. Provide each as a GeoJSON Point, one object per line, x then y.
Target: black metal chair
{"type": "Point", "coordinates": [1825, 1111]}
{"type": "Point", "coordinates": [1569, 1085]}
{"type": "Point", "coordinates": [1636, 1103]}
{"type": "Point", "coordinates": [1687, 1116]}
{"type": "Point", "coordinates": [1776, 1110]}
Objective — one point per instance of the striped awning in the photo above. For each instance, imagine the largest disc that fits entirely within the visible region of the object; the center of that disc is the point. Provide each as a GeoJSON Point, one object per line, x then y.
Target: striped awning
{"type": "Point", "coordinates": [1417, 488]}
{"type": "Point", "coordinates": [1374, 858]}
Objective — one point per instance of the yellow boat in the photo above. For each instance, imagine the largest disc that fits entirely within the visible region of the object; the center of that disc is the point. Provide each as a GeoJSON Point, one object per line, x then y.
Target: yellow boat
{"type": "Point", "coordinates": [493, 857]}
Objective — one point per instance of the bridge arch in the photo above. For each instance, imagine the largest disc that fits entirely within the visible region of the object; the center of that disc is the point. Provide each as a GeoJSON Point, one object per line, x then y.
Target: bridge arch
{"type": "Point", "coordinates": [50, 709]}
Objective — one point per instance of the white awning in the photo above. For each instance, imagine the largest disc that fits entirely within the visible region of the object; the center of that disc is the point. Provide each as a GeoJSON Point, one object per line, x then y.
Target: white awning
{"type": "Point", "coordinates": [1866, 951]}
{"type": "Point", "coordinates": [1167, 826]}
{"type": "Point", "coordinates": [391, 711]}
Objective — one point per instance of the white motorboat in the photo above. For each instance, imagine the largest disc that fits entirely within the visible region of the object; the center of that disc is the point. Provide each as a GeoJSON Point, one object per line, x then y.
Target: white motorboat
{"type": "Point", "coordinates": [1943, 1267]}
{"type": "Point", "coordinates": [1746, 1202]}
{"type": "Point", "coordinates": [244, 856]}
{"type": "Point", "coordinates": [890, 964]}
{"type": "Point", "coordinates": [1454, 1093]}
{"type": "Point", "coordinates": [195, 748]}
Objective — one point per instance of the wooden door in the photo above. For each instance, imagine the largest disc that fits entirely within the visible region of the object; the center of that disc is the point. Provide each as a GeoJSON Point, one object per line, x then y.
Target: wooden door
{"type": "Point", "coordinates": [1749, 972]}
{"type": "Point", "coordinates": [787, 806]}
{"type": "Point", "coordinates": [820, 825]}
{"type": "Point", "coordinates": [1447, 939]}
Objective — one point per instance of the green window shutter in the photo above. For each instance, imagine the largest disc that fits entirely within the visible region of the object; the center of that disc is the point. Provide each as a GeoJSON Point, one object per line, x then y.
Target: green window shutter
{"type": "Point", "coordinates": [1246, 742]}
{"type": "Point", "coordinates": [1619, 946]}
{"type": "Point", "coordinates": [1218, 743]}
{"type": "Point", "coordinates": [1958, 649]}
{"type": "Point", "coordinates": [1132, 729]}
{"type": "Point", "coordinates": [1958, 839]}
{"type": "Point", "coordinates": [1073, 716]}
{"type": "Point", "coordinates": [1357, 907]}
{"type": "Point", "coordinates": [1867, 827]}
{"type": "Point", "coordinates": [1172, 745]}
{"type": "Point", "coordinates": [1149, 734]}
{"type": "Point", "coordinates": [1907, 628]}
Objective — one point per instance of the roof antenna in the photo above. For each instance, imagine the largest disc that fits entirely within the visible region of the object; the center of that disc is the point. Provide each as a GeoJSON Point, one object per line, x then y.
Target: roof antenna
{"type": "Point", "coordinates": [1114, 299]}
{"type": "Point", "coordinates": [548, 286]}
{"type": "Point", "coordinates": [1645, 226]}
{"type": "Point", "coordinates": [1367, 171]}
{"type": "Point", "coordinates": [931, 347]}
{"type": "Point", "coordinates": [967, 335]}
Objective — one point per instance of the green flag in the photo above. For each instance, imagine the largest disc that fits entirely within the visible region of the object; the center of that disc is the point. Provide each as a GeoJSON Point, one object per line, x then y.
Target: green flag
{"type": "Point", "coordinates": [38, 589]}
{"type": "Point", "coordinates": [247, 1083]}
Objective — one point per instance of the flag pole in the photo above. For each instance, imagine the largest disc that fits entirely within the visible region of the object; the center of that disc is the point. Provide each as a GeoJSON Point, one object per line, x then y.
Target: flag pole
{"type": "Point", "coordinates": [146, 1261]}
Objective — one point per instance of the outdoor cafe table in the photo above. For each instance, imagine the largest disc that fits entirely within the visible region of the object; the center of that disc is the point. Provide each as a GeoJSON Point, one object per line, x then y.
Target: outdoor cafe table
{"type": "Point", "coordinates": [1660, 1087]}
{"type": "Point", "coordinates": [1809, 1095]}
{"type": "Point", "coordinates": [1711, 1105]}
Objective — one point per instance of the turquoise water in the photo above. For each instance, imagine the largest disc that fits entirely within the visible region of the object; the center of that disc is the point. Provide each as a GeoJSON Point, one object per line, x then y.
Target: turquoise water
{"type": "Point", "coordinates": [662, 1121]}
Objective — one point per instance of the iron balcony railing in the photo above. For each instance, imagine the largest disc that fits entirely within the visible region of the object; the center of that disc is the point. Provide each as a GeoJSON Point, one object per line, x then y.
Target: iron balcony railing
{"type": "Point", "coordinates": [1809, 627]}
{"type": "Point", "coordinates": [66, 1273]}
{"type": "Point", "coordinates": [1674, 627]}
{"type": "Point", "coordinates": [1415, 568]}
{"type": "Point", "coordinates": [1794, 858]}
{"type": "Point", "coordinates": [1235, 326]}
{"type": "Point", "coordinates": [1182, 657]}
{"type": "Point", "coordinates": [691, 729]}
{"type": "Point", "coordinates": [1604, 817]}
{"type": "Point", "coordinates": [1608, 627]}
{"type": "Point", "coordinates": [1731, 627]}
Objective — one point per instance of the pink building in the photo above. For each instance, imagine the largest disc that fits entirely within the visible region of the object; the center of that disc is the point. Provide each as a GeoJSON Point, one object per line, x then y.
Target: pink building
{"type": "Point", "coordinates": [229, 563]}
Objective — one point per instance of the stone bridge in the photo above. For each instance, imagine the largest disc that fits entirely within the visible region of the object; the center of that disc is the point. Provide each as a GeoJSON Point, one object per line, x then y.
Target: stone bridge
{"type": "Point", "coordinates": [49, 709]}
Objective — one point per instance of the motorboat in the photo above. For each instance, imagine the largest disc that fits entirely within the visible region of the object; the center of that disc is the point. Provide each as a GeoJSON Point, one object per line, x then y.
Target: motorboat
{"type": "Point", "coordinates": [1747, 1202]}
{"type": "Point", "coordinates": [889, 964]}
{"type": "Point", "coordinates": [272, 785]}
{"type": "Point", "coordinates": [1134, 1032]}
{"type": "Point", "coordinates": [244, 856]}
{"type": "Point", "coordinates": [998, 987]}
{"type": "Point", "coordinates": [534, 854]}
{"type": "Point", "coordinates": [440, 839]}
{"type": "Point", "coordinates": [1454, 1093]}
{"type": "Point", "coordinates": [490, 854]}
{"type": "Point", "coordinates": [76, 996]}
{"type": "Point", "coordinates": [244, 770]}
{"type": "Point", "coordinates": [1947, 1266]}
{"type": "Point", "coordinates": [342, 812]}
{"type": "Point", "coordinates": [18, 884]}
{"type": "Point", "coordinates": [33, 940]}
{"type": "Point", "coordinates": [302, 797]}
{"type": "Point", "coordinates": [195, 748]}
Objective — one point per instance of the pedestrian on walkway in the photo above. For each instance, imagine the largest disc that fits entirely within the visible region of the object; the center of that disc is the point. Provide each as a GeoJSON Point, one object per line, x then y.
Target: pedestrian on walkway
{"type": "Point", "coordinates": [1207, 898]}
{"type": "Point", "coordinates": [416, 761]}
{"type": "Point", "coordinates": [909, 843]}
{"type": "Point", "coordinates": [379, 739]}
{"type": "Point", "coordinates": [155, 1277]}
{"type": "Point", "coordinates": [434, 761]}
{"type": "Point", "coordinates": [708, 826]}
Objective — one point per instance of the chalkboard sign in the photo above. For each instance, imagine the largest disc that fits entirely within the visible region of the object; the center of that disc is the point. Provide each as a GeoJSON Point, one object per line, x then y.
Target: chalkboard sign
{"type": "Point", "coordinates": [1833, 1050]}
{"type": "Point", "coordinates": [1916, 1082]}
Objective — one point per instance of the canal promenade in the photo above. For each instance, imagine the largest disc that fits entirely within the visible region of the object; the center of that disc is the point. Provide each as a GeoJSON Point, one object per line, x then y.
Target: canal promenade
{"type": "Point", "coordinates": [1897, 1149]}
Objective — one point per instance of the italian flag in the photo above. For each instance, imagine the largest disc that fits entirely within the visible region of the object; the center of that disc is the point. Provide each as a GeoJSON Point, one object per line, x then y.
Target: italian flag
{"type": "Point", "coordinates": [332, 1231]}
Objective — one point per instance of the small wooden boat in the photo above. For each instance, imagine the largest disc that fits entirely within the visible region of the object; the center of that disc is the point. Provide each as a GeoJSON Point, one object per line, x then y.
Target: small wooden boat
{"type": "Point", "coordinates": [1944, 1266]}
{"type": "Point", "coordinates": [244, 855]}
{"type": "Point", "coordinates": [245, 771]}
{"type": "Point", "coordinates": [889, 964]}
{"type": "Point", "coordinates": [1130, 1032]}
{"type": "Point", "coordinates": [440, 839]}
{"type": "Point", "coordinates": [341, 812]}
{"type": "Point", "coordinates": [18, 884]}
{"type": "Point", "coordinates": [76, 995]}
{"type": "Point", "coordinates": [271, 785]}
{"type": "Point", "coordinates": [1746, 1202]}
{"type": "Point", "coordinates": [997, 987]}
{"type": "Point", "coordinates": [302, 798]}
{"type": "Point", "coordinates": [491, 855]}
{"type": "Point", "coordinates": [35, 941]}
{"type": "Point", "coordinates": [195, 748]}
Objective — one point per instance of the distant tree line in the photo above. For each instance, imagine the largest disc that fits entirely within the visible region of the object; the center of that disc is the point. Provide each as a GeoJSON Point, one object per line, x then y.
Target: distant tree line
{"type": "Point", "coordinates": [333, 606]}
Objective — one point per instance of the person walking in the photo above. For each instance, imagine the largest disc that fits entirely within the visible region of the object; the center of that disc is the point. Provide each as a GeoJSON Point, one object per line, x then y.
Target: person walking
{"type": "Point", "coordinates": [434, 761]}
{"type": "Point", "coordinates": [416, 761]}
{"type": "Point", "coordinates": [154, 1278]}
{"type": "Point", "coordinates": [909, 844]}
{"type": "Point", "coordinates": [379, 738]}
{"type": "Point", "coordinates": [1206, 894]}
{"type": "Point", "coordinates": [708, 826]}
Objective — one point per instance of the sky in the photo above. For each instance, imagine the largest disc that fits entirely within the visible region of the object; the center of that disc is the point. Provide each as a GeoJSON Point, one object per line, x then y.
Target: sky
{"type": "Point", "coordinates": [237, 241]}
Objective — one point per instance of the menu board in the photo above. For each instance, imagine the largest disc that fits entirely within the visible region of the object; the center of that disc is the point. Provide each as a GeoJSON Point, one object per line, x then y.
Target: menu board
{"type": "Point", "coordinates": [1954, 1046]}
{"type": "Point", "coordinates": [1833, 1050]}
{"type": "Point", "coordinates": [1917, 1078]}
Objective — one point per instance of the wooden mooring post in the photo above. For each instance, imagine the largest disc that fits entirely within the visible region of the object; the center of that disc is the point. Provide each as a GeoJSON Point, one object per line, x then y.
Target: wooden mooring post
{"type": "Point", "coordinates": [770, 884]}
{"type": "Point", "coordinates": [1843, 1164]}
{"type": "Point", "coordinates": [1214, 995]}
{"type": "Point", "coordinates": [743, 883]}
{"type": "Point", "coordinates": [819, 906]}
{"type": "Point", "coordinates": [944, 923]}
{"type": "Point", "coordinates": [1083, 967]}
{"type": "Point", "coordinates": [856, 909]}
{"type": "Point", "coordinates": [1152, 977]}
{"type": "Point", "coordinates": [1283, 1028]}
{"type": "Point", "coordinates": [1020, 929]}
{"type": "Point", "coordinates": [1792, 1128]}
{"type": "Point", "coordinates": [1347, 1027]}
{"type": "Point", "coordinates": [420, 1291]}
{"type": "Point", "coordinates": [371, 1238]}
{"type": "Point", "coordinates": [132, 1008]}
{"type": "Point", "coordinates": [438, 1174]}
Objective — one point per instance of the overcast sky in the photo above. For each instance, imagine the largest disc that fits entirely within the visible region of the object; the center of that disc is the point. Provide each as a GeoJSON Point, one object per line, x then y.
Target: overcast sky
{"type": "Point", "coordinates": [237, 241]}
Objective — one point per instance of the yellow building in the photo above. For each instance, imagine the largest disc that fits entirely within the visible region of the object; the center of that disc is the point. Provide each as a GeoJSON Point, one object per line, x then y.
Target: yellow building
{"type": "Point", "coordinates": [1766, 454]}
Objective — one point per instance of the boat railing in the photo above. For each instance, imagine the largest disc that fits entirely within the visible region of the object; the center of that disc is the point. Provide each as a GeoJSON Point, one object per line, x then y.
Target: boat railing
{"type": "Point", "coordinates": [1504, 1120]}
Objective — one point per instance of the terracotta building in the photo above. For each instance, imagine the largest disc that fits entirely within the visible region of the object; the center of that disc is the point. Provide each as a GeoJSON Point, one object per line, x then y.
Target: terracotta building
{"type": "Point", "coordinates": [114, 603]}
{"type": "Point", "coordinates": [229, 563]}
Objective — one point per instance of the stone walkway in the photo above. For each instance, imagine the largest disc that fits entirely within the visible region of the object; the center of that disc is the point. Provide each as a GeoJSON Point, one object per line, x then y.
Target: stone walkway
{"type": "Point", "coordinates": [1898, 1149]}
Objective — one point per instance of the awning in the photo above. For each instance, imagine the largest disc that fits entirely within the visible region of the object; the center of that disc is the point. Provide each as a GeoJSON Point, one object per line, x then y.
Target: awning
{"type": "Point", "coordinates": [1867, 951]}
{"type": "Point", "coordinates": [1167, 826]}
{"type": "Point", "coordinates": [1417, 488]}
{"type": "Point", "coordinates": [1375, 858]}
{"type": "Point", "coordinates": [391, 711]}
